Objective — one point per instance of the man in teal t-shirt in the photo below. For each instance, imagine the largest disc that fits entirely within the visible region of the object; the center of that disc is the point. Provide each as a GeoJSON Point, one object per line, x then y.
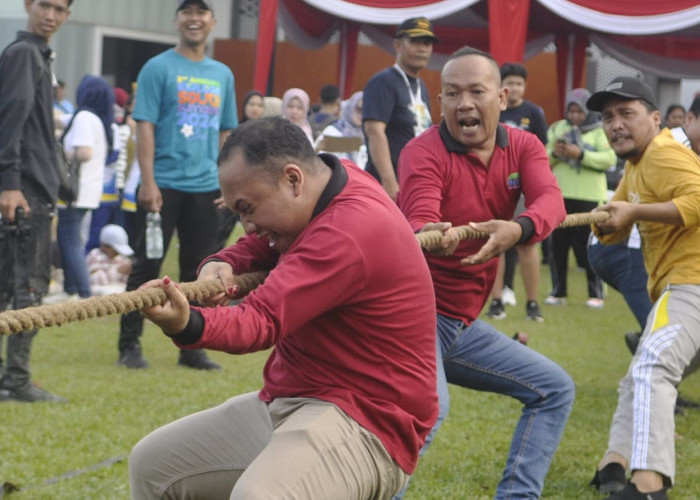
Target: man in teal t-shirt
{"type": "Point", "coordinates": [185, 107]}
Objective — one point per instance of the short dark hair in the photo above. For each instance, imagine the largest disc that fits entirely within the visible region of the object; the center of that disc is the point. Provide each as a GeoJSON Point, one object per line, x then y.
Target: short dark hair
{"type": "Point", "coordinates": [649, 106]}
{"type": "Point", "coordinates": [671, 108]}
{"type": "Point", "coordinates": [695, 106]}
{"type": "Point", "coordinates": [269, 144]}
{"type": "Point", "coordinates": [513, 69]}
{"type": "Point", "coordinates": [70, 2]}
{"type": "Point", "coordinates": [329, 94]}
{"type": "Point", "coordinates": [471, 51]}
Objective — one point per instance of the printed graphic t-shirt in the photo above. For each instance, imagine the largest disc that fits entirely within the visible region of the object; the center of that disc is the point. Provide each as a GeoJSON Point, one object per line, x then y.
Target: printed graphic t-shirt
{"type": "Point", "coordinates": [189, 102]}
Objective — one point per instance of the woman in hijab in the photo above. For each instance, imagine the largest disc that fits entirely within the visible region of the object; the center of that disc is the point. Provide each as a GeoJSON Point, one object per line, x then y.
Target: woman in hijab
{"type": "Point", "coordinates": [579, 153]}
{"type": "Point", "coordinates": [348, 125]}
{"type": "Point", "coordinates": [89, 139]}
{"type": "Point", "coordinates": [295, 108]}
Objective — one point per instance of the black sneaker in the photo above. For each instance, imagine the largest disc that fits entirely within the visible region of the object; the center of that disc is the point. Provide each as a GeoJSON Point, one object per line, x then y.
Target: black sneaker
{"type": "Point", "coordinates": [496, 309]}
{"type": "Point", "coordinates": [610, 479]}
{"type": "Point", "coordinates": [132, 358]}
{"type": "Point", "coordinates": [533, 311]}
{"type": "Point", "coordinates": [630, 492]}
{"type": "Point", "coordinates": [30, 394]}
{"type": "Point", "coordinates": [197, 359]}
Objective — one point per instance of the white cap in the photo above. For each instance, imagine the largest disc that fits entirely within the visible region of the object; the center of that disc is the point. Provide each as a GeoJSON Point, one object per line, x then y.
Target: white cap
{"type": "Point", "coordinates": [115, 236]}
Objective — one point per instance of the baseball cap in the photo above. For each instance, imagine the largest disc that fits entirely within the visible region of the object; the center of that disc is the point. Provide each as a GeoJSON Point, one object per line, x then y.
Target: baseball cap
{"type": "Point", "coordinates": [120, 97]}
{"type": "Point", "coordinates": [184, 3]}
{"type": "Point", "coordinates": [417, 27]}
{"type": "Point", "coordinates": [626, 87]}
{"type": "Point", "coordinates": [115, 236]}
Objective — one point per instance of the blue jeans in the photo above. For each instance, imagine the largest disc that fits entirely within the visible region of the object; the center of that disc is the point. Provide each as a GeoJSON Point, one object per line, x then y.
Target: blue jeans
{"type": "Point", "coordinates": [109, 212]}
{"type": "Point", "coordinates": [482, 358]}
{"type": "Point", "coordinates": [443, 407]}
{"type": "Point", "coordinates": [75, 273]}
{"type": "Point", "coordinates": [622, 268]}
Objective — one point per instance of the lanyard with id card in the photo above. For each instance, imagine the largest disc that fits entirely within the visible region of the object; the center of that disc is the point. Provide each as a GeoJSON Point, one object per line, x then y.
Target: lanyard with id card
{"type": "Point", "coordinates": [419, 109]}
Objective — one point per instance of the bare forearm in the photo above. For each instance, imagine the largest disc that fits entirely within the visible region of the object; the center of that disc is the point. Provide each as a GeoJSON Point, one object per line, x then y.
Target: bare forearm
{"type": "Point", "coordinates": [381, 157]}
{"type": "Point", "coordinates": [666, 213]}
{"type": "Point", "coordinates": [145, 151]}
{"type": "Point", "coordinates": [83, 153]}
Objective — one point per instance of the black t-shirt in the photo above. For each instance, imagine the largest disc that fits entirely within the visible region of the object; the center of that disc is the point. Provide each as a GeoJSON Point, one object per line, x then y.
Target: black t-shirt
{"type": "Point", "coordinates": [527, 116]}
{"type": "Point", "coordinates": [386, 99]}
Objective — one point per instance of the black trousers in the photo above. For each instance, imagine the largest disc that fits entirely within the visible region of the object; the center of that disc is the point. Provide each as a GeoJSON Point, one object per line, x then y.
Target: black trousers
{"type": "Point", "coordinates": [575, 238]}
{"type": "Point", "coordinates": [36, 252]}
{"type": "Point", "coordinates": [195, 218]}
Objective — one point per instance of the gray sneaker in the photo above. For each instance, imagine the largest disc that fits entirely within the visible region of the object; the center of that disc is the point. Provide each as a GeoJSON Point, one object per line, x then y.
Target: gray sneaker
{"type": "Point", "coordinates": [30, 394]}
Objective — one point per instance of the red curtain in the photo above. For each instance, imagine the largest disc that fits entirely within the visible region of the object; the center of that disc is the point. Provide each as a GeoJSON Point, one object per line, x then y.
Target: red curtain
{"type": "Point", "coordinates": [347, 57]}
{"type": "Point", "coordinates": [311, 20]}
{"type": "Point", "coordinates": [508, 29]}
{"type": "Point", "coordinates": [636, 7]}
{"type": "Point", "coordinates": [664, 46]}
{"type": "Point", "coordinates": [267, 27]}
{"type": "Point", "coordinates": [578, 62]}
{"type": "Point", "coordinates": [392, 4]}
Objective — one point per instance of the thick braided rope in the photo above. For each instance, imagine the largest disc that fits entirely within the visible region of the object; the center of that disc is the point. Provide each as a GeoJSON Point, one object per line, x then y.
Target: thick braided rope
{"type": "Point", "coordinates": [431, 239]}
{"type": "Point", "coordinates": [120, 303]}
{"type": "Point", "coordinates": [29, 318]}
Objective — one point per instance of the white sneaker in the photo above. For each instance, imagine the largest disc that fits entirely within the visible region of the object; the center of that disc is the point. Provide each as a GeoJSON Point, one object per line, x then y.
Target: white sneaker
{"type": "Point", "coordinates": [595, 303]}
{"type": "Point", "coordinates": [508, 297]}
{"type": "Point", "coordinates": [57, 298]}
{"type": "Point", "coordinates": [551, 300]}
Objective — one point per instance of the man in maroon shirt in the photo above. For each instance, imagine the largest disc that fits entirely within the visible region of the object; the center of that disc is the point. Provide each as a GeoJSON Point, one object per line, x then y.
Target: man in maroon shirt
{"type": "Point", "coordinates": [469, 169]}
{"type": "Point", "coordinates": [348, 308]}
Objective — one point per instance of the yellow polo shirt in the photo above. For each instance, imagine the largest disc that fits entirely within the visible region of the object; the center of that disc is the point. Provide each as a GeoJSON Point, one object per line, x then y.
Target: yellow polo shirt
{"type": "Point", "coordinates": [667, 171]}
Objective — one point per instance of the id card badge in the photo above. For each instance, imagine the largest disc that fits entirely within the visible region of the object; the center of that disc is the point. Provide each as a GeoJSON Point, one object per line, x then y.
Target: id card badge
{"type": "Point", "coordinates": [422, 117]}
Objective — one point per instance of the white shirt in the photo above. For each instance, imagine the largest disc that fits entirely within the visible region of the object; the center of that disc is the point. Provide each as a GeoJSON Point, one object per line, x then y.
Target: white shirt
{"type": "Point", "coordinates": [87, 130]}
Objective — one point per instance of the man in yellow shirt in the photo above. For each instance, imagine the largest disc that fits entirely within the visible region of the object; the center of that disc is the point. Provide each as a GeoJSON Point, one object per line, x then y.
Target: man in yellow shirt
{"type": "Point", "coordinates": [660, 191]}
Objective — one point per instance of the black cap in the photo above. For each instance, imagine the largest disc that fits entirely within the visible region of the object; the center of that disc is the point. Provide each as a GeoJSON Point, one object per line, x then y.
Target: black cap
{"type": "Point", "coordinates": [626, 87]}
{"type": "Point", "coordinates": [417, 27]}
{"type": "Point", "coordinates": [184, 3]}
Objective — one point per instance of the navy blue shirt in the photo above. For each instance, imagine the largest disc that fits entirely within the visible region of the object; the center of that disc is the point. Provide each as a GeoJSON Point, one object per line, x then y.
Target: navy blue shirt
{"type": "Point", "coordinates": [527, 116]}
{"type": "Point", "coordinates": [386, 99]}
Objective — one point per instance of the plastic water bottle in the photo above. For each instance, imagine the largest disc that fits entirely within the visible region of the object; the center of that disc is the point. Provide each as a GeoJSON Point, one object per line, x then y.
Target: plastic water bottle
{"type": "Point", "coordinates": [154, 236]}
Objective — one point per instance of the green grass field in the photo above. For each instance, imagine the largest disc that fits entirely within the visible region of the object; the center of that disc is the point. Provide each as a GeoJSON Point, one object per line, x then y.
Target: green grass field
{"type": "Point", "coordinates": [111, 408]}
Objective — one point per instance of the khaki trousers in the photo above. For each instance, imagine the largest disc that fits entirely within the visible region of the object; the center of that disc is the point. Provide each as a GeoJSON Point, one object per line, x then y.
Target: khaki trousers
{"type": "Point", "coordinates": [292, 448]}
